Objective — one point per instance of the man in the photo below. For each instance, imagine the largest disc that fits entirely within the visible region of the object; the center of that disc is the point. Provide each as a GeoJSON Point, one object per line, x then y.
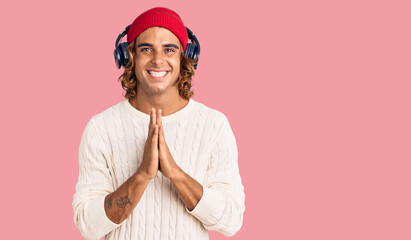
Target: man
{"type": "Point", "coordinates": [158, 165]}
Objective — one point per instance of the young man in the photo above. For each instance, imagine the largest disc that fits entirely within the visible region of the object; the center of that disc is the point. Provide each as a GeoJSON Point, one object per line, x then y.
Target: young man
{"type": "Point", "coordinates": [158, 165]}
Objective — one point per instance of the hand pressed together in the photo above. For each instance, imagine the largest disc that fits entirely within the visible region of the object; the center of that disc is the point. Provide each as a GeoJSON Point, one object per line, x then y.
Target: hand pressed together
{"type": "Point", "coordinates": [156, 155]}
{"type": "Point", "coordinates": [149, 164]}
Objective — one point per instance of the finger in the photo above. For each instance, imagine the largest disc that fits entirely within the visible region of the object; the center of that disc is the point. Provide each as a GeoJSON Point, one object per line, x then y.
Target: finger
{"type": "Point", "coordinates": [153, 117]}
{"type": "Point", "coordinates": [154, 139]}
{"type": "Point", "coordinates": [161, 137]}
{"type": "Point", "coordinates": [159, 115]}
{"type": "Point", "coordinates": [150, 125]}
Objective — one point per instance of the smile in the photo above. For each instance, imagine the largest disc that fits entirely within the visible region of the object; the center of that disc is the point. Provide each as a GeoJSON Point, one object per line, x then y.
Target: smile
{"type": "Point", "coordinates": [157, 73]}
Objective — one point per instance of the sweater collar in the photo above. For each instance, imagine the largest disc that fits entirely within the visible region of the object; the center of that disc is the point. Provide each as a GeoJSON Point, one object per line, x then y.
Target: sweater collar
{"type": "Point", "coordinates": [175, 116]}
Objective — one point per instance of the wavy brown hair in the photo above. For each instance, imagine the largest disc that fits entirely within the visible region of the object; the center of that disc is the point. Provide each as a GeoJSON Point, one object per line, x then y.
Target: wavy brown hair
{"type": "Point", "coordinates": [129, 79]}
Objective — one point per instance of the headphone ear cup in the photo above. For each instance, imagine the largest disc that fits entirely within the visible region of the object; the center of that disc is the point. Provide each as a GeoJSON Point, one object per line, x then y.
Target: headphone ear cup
{"type": "Point", "coordinates": [190, 50]}
{"type": "Point", "coordinates": [123, 53]}
{"type": "Point", "coordinates": [117, 58]}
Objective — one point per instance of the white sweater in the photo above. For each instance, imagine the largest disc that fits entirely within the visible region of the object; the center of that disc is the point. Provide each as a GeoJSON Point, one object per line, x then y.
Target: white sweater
{"type": "Point", "coordinates": [201, 142]}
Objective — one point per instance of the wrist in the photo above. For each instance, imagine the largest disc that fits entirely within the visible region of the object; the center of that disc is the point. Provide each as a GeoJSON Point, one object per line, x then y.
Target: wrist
{"type": "Point", "coordinates": [140, 176]}
{"type": "Point", "coordinates": [178, 175]}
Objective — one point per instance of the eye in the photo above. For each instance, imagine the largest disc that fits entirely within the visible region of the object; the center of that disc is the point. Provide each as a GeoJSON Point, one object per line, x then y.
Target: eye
{"type": "Point", "coordinates": [170, 50]}
{"type": "Point", "coordinates": [145, 49]}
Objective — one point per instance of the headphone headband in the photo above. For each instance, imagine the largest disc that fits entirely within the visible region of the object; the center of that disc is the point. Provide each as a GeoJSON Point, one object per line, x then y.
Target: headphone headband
{"type": "Point", "coordinates": [121, 35]}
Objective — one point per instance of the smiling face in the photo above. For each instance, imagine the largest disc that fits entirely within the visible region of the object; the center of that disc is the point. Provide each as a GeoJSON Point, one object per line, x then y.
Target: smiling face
{"type": "Point", "coordinates": [157, 61]}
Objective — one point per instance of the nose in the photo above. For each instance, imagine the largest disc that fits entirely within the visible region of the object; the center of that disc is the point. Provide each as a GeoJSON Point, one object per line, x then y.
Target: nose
{"type": "Point", "coordinates": [158, 58]}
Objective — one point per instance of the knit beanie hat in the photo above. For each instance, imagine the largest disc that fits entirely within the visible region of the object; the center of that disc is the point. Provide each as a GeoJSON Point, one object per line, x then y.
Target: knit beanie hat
{"type": "Point", "coordinates": [159, 17]}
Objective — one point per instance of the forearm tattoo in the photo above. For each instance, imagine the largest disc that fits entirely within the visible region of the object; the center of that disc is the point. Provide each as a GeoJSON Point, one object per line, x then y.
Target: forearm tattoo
{"type": "Point", "coordinates": [123, 201]}
{"type": "Point", "coordinates": [108, 203]}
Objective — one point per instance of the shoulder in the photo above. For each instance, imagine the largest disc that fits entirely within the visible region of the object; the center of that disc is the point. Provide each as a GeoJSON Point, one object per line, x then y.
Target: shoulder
{"type": "Point", "coordinates": [218, 126]}
{"type": "Point", "coordinates": [102, 120]}
{"type": "Point", "coordinates": [213, 116]}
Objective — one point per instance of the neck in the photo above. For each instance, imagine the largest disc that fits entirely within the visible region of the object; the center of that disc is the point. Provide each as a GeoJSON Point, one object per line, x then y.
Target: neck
{"type": "Point", "coordinates": [169, 104]}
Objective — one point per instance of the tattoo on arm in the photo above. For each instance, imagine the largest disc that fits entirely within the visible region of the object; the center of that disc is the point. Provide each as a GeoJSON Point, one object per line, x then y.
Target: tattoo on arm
{"type": "Point", "coordinates": [123, 201]}
{"type": "Point", "coordinates": [108, 203]}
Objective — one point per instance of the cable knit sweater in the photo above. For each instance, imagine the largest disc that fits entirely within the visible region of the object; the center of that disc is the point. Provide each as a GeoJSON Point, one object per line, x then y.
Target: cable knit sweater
{"type": "Point", "coordinates": [201, 142]}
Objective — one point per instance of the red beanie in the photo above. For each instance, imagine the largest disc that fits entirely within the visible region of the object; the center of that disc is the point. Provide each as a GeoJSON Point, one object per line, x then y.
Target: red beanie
{"type": "Point", "coordinates": [159, 17]}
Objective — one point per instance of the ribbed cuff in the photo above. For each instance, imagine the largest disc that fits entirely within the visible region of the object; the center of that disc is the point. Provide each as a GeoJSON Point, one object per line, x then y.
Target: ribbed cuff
{"type": "Point", "coordinates": [210, 208]}
{"type": "Point", "coordinates": [101, 223]}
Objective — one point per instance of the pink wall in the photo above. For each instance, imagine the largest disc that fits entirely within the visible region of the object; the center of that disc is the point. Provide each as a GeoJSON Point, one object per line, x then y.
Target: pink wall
{"type": "Point", "coordinates": [317, 92]}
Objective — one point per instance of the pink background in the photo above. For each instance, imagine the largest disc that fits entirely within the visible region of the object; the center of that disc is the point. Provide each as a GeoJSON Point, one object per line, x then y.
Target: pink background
{"type": "Point", "coordinates": [317, 93]}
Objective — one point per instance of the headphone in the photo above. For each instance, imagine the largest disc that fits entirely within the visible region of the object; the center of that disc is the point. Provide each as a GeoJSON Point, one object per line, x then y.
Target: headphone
{"type": "Point", "coordinates": [121, 56]}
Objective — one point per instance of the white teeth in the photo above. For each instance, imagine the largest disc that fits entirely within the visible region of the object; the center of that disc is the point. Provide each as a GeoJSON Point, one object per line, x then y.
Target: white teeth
{"type": "Point", "coordinates": [157, 74]}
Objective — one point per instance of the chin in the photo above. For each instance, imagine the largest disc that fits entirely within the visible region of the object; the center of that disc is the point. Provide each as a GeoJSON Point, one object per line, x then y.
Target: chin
{"type": "Point", "coordinates": [156, 90]}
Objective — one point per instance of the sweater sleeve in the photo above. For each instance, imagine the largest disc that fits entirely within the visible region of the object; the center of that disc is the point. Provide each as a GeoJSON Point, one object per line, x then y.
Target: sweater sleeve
{"type": "Point", "coordinates": [94, 183]}
{"type": "Point", "coordinates": [222, 205]}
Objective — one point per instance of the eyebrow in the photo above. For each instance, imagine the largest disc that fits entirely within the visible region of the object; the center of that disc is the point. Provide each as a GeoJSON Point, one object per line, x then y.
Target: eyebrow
{"type": "Point", "coordinates": [150, 45]}
{"type": "Point", "coordinates": [145, 45]}
{"type": "Point", "coordinates": [171, 45]}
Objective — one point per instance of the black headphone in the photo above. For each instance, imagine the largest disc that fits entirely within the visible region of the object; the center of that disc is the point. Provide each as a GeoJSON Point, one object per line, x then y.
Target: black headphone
{"type": "Point", "coordinates": [121, 54]}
